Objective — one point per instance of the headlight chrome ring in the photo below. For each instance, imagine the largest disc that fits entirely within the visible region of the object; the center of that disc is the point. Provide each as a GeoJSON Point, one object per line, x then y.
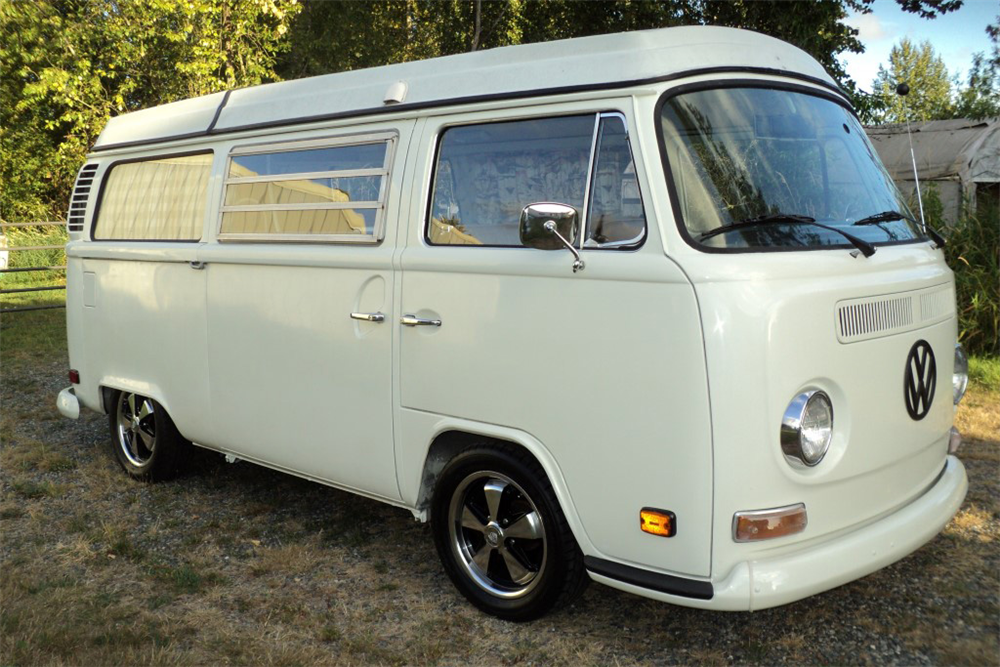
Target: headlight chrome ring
{"type": "Point", "coordinates": [807, 428]}
{"type": "Point", "coordinates": [960, 377]}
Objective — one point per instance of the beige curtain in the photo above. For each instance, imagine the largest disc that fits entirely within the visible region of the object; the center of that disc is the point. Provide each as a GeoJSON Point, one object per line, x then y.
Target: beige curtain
{"type": "Point", "coordinates": [162, 199]}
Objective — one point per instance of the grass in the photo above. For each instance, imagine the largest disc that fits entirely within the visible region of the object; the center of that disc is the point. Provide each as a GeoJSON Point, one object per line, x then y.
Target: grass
{"type": "Point", "coordinates": [985, 372]}
{"type": "Point", "coordinates": [234, 564]}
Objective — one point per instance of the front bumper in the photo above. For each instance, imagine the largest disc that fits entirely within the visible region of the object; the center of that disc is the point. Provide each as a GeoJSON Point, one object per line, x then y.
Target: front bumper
{"type": "Point", "coordinates": [759, 584]}
{"type": "Point", "coordinates": [68, 404]}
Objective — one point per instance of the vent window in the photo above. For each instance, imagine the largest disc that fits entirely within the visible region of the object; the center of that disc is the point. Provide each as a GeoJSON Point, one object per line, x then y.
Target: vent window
{"type": "Point", "coordinates": [81, 193]}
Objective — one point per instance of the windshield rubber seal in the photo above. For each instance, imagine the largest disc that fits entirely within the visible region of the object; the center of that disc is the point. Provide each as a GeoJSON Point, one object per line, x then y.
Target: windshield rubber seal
{"type": "Point", "coordinates": [672, 187]}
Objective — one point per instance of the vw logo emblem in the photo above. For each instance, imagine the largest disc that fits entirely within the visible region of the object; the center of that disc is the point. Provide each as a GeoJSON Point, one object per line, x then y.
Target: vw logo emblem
{"type": "Point", "coordinates": [920, 380]}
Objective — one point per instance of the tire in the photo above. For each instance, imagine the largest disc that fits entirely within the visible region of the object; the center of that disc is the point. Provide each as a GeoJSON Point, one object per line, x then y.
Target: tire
{"type": "Point", "coordinates": [144, 440]}
{"type": "Point", "coordinates": [502, 537]}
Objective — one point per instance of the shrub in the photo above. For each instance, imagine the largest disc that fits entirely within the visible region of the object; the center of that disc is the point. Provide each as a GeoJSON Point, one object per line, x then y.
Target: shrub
{"type": "Point", "coordinates": [973, 252]}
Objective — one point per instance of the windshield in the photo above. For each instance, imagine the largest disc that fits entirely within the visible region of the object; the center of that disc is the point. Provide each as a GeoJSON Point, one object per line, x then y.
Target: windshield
{"type": "Point", "coordinates": [739, 154]}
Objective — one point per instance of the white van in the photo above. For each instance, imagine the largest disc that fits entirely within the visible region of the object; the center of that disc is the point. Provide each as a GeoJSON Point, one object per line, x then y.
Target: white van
{"type": "Point", "coordinates": [641, 308]}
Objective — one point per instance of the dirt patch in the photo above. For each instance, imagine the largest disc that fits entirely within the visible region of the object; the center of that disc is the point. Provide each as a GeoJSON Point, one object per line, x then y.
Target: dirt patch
{"type": "Point", "coordinates": [235, 564]}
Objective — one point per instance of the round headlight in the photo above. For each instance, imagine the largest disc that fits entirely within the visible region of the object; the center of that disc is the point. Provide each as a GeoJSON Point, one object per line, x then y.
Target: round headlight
{"type": "Point", "coordinates": [807, 428]}
{"type": "Point", "coordinates": [960, 378]}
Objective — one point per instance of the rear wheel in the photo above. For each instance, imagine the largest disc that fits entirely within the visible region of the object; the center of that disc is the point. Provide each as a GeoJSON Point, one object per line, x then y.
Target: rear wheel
{"type": "Point", "coordinates": [144, 440]}
{"type": "Point", "coordinates": [502, 536]}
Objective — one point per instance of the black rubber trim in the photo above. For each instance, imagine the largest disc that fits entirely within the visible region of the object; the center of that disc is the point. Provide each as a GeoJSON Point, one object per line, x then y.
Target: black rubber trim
{"type": "Point", "coordinates": [672, 186]}
{"type": "Point", "coordinates": [218, 112]}
{"type": "Point", "coordinates": [662, 583]}
{"type": "Point", "coordinates": [473, 99]}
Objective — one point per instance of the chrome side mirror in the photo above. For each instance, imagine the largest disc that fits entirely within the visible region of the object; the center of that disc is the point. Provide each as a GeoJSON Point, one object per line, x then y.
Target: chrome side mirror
{"type": "Point", "coordinates": [549, 226]}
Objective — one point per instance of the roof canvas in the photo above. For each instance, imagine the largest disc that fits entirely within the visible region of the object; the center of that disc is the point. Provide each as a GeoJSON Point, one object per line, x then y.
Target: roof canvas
{"type": "Point", "coordinates": [602, 60]}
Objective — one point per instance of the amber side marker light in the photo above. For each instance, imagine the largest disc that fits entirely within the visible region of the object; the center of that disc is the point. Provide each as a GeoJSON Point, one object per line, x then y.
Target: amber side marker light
{"type": "Point", "coordinates": [755, 525]}
{"type": "Point", "coordinates": [657, 522]}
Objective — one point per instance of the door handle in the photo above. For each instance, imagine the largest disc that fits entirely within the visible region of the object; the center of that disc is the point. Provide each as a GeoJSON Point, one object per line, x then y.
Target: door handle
{"type": "Point", "coordinates": [368, 317]}
{"type": "Point", "coordinates": [198, 265]}
{"type": "Point", "coordinates": [414, 321]}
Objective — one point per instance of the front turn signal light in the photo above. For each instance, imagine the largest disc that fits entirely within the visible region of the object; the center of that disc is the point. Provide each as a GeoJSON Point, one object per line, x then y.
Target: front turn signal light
{"type": "Point", "coordinates": [657, 522]}
{"type": "Point", "coordinates": [756, 525]}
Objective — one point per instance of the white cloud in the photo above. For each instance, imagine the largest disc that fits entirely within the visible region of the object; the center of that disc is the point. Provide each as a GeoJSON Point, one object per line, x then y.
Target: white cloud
{"type": "Point", "coordinates": [871, 28]}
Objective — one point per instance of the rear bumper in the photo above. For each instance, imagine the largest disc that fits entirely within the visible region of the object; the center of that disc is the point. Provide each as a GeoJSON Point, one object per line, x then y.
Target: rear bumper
{"type": "Point", "coordinates": [759, 584]}
{"type": "Point", "coordinates": [68, 404]}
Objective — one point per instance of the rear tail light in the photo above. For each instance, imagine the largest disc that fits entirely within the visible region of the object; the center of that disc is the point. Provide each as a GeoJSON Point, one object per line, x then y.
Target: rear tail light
{"type": "Point", "coordinates": [74, 376]}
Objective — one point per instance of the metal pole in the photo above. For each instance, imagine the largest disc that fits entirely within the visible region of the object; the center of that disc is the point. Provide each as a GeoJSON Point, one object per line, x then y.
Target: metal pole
{"type": "Point", "coordinates": [901, 90]}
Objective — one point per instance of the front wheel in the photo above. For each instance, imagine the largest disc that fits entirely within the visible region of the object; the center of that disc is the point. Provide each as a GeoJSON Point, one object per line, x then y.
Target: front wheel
{"type": "Point", "coordinates": [502, 536]}
{"type": "Point", "coordinates": [144, 440]}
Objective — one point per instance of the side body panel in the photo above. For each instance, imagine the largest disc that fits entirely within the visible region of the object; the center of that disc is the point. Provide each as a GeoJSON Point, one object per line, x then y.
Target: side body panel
{"type": "Point", "coordinates": [603, 369]}
{"type": "Point", "coordinates": [295, 381]}
{"type": "Point", "coordinates": [135, 313]}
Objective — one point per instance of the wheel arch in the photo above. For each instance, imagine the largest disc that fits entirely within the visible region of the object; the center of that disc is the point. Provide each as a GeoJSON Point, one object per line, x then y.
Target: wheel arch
{"type": "Point", "coordinates": [453, 439]}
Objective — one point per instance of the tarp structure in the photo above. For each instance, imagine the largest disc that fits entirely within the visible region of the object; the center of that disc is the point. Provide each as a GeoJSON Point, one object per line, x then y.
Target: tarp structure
{"type": "Point", "coordinates": [960, 157]}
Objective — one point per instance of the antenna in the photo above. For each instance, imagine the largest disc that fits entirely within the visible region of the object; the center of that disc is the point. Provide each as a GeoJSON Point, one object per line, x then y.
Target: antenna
{"type": "Point", "coordinates": [901, 90]}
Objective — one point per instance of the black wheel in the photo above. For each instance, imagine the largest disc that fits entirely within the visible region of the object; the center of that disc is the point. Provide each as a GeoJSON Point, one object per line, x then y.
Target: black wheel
{"type": "Point", "coordinates": [502, 536]}
{"type": "Point", "coordinates": [144, 439]}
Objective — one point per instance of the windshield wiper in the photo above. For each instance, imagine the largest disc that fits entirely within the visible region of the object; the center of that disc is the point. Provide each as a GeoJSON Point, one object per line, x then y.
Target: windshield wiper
{"type": "Point", "coordinates": [892, 216]}
{"type": "Point", "coordinates": [867, 249]}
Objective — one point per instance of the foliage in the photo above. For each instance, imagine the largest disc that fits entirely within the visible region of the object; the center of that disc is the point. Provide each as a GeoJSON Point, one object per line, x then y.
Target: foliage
{"type": "Point", "coordinates": [973, 252]}
{"type": "Point", "coordinates": [339, 36]}
{"type": "Point", "coordinates": [924, 71]}
{"type": "Point", "coordinates": [985, 372]}
{"type": "Point", "coordinates": [69, 65]}
{"type": "Point", "coordinates": [981, 97]}
{"type": "Point", "coordinates": [34, 237]}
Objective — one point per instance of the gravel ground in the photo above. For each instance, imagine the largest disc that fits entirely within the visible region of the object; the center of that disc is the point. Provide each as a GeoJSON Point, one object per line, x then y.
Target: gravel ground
{"type": "Point", "coordinates": [235, 564]}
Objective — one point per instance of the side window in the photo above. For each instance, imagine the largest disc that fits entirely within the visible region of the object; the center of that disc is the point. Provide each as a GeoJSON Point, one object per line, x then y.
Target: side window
{"type": "Point", "coordinates": [486, 174]}
{"type": "Point", "coordinates": [335, 191]}
{"type": "Point", "coordinates": [615, 217]}
{"type": "Point", "coordinates": [159, 199]}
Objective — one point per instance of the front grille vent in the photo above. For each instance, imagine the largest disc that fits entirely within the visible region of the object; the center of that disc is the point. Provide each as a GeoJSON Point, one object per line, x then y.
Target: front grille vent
{"type": "Point", "coordinates": [858, 320]}
{"type": "Point", "coordinates": [936, 305]}
{"type": "Point", "coordinates": [81, 193]}
{"type": "Point", "coordinates": [890, 314]}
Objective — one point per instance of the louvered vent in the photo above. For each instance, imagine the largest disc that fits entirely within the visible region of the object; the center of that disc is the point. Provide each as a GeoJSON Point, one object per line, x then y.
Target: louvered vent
{"type": "Point", "coordinates": [936, 305]}
{"type": "Point", "coordinates": [871, 317]}
{"type": "Point", "coordinates": [81, 193]}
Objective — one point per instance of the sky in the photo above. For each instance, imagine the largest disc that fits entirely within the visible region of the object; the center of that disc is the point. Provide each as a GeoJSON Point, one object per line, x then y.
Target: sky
{"type": "Point", "coordinates": [954, 36]}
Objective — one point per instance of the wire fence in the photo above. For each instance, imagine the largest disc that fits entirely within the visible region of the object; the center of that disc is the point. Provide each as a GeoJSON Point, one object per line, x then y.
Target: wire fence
{"type": "Point", "coordinates": [4, 253]}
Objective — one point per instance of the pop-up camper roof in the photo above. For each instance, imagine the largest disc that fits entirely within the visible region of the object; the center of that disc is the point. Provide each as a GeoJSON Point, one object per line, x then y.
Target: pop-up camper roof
{"type": "Point", "coordinates": [603, 61]}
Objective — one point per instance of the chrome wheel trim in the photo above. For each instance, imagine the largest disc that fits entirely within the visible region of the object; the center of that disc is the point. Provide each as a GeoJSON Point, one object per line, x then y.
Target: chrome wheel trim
{"type": "Point", "coordinates": [497, 534]}
{"type": "Point", "coordinates": [136, 428]}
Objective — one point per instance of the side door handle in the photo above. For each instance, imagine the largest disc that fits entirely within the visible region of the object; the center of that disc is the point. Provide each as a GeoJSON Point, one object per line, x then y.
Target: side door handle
{"type": "Point", "coordinates": [198, 265]}
{"type": "Point", "coordinates": [368, 317]}
{"type": "Point", "coordinates": [414, 321]}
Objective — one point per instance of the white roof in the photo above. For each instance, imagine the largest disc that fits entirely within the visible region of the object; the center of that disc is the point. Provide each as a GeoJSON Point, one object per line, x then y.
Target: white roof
{"type": "Point", "coordinates": [511, 71]}
{"type": "Point", "coordinates": [964, 150]}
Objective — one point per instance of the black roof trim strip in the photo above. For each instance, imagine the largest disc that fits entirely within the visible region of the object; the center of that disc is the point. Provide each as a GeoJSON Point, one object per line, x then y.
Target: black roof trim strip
{"type": "Point", "coordinates": [475, 99]}
{"type": "Point", "coordinates": [663, 583]}
{"type": "Point", "coordinates": [218, 112]}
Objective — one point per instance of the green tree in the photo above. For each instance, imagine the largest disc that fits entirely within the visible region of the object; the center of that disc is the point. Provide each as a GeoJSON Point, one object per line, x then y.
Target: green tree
{"type": "Point", "coordinates": [69, 65]}
{"type": "Point", "coordinates": [924, 72]}
{"type": "Point", "coordinates": [981, 96]}
{"type": "Point", "coordinates": [66, 66]}
{"type": "Point", "coordinates": [339, 36]}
